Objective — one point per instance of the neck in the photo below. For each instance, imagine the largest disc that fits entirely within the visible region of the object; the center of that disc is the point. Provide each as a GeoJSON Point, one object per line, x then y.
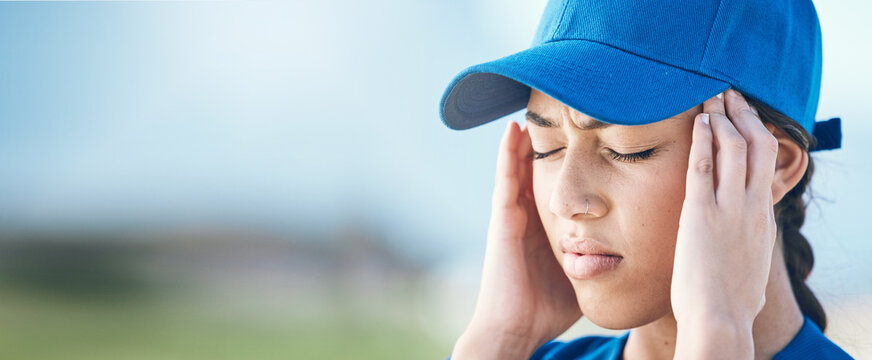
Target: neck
{"type": "Point", "coordinates": [778, 322]}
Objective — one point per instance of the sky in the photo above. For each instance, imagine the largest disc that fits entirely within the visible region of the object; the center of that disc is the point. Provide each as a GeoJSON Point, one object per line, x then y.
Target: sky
{"type": "Point", "coordinates": [318, 115]}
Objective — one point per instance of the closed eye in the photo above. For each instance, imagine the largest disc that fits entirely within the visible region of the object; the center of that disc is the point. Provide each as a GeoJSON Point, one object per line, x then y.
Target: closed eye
{"type": "Point", "coordinates": [538, 155]}
{"type": "Point", "coordinates": [631, 158]}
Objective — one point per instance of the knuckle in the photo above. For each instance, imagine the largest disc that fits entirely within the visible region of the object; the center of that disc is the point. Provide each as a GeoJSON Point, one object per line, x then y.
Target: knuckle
{"type": "Point", "coordinates": [715, 113]}
{"type": "Point", "coordinates": [737, 143]}
{"type": "Point", "coordinates": [770, 143]}
{"type": "Point", "coordinates": [765, 141]}
{"type": "Point", "coordinates": [748, 111]}
{"type": "Point", "coordinates": [704, 166]}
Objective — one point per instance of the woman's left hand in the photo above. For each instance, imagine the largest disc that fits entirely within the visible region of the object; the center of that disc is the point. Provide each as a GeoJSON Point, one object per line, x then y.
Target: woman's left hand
{"type": "Point", "coordinates": [727, 227]}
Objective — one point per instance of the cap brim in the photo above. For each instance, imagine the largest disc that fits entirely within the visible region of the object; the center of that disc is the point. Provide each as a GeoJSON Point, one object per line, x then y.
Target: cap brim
{"type": "Point", "coordinates": [603, 82]}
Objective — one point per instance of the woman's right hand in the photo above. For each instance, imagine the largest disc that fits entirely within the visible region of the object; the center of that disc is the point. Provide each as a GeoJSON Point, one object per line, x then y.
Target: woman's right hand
{"type": "Point", "coordinates": [525, 298]}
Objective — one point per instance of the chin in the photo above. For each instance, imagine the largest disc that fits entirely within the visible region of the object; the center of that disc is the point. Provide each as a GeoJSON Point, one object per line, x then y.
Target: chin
{"type": "Point", "coordinates": [620, 312]}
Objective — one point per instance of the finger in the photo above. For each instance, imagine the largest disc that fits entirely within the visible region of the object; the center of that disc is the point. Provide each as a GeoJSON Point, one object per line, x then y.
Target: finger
{"type": "Point", "coordinates": [712, 107]}
{"type": "Point", "coordinates": [700, 166]}
{"type": "Point", "coordinates": [506, 182]}
{"type": "Point", "coordinates": [762, 144]}
{"type": "Point", "coordinates": [525, 159]}
{"type": "Point", "coordinates": [731, 156]}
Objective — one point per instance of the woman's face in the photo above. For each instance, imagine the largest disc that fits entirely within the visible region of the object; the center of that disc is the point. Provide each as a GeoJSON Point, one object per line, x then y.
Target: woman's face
{"type": "Point", "coordinates": [633, 204]}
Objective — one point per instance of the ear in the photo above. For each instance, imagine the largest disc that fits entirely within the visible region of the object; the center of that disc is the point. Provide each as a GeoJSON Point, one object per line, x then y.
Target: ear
{"type": "Point", "coordinates": [790, 165]}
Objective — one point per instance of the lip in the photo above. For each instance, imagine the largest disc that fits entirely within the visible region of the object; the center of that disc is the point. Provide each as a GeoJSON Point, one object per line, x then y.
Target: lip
{"type": "Point", "coordinates": [585, 258]}
{"type": "Point", "coordinates": [584, 246]}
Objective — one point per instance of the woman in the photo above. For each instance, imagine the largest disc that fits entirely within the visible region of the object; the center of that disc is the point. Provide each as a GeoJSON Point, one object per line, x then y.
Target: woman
{"type": "Point", "coordinates": [645, 192]}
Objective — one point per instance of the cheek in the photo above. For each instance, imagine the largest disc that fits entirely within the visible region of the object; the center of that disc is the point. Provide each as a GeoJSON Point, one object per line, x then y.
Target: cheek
{"type": "Point", "coordinates": [544, 180]}
{"type": "Point", "coordinates": [542, 184]}
{"type": "Point", "coordinates": [649, 219]}
{"type": "Point", "coordinates": [541, 190]}
{"type": "Point", "coordinates": [653, 207]}
{"type": "Point", "coordinates": [647, 210]}
{"type": "Point", "coordinates": [657, 200]}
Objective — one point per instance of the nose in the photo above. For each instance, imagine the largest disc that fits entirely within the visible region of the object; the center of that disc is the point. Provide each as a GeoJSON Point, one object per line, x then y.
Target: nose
{"type": "Point", "coordinates": [574, 196]}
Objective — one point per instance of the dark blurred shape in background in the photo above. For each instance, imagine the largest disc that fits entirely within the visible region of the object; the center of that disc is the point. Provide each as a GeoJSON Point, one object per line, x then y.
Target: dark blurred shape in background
{"type": "Point", "coordinates": [218, 293]}
{"type": "Point", "coordinates": [76, 268]}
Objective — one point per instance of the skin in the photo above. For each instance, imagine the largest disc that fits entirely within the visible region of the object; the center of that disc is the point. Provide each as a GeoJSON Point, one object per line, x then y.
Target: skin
{"type": "Point", "coordinates": [702, 274]}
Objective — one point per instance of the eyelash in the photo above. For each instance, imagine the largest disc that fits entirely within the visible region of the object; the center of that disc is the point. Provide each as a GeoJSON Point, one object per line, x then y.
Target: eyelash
{"type": "Point", "coordinates": [630, 158]}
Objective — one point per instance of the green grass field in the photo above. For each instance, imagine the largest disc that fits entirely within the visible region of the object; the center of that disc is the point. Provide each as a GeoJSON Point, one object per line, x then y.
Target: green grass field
{"type": "Point", "coordinates": [44, 327]}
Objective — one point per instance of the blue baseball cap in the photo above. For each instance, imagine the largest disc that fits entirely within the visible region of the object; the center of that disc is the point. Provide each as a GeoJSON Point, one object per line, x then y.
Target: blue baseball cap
{"type": "Point", "coordinates": [633, 62]}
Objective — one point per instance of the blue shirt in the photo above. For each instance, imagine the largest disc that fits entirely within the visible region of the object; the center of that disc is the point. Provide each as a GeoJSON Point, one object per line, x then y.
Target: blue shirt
{"type": "Point", "coordinates": [809, 343]}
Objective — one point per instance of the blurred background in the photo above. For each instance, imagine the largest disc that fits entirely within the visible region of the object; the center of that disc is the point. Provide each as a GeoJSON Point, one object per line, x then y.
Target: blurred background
{"type": "Point", "coordinates": [271, 180]}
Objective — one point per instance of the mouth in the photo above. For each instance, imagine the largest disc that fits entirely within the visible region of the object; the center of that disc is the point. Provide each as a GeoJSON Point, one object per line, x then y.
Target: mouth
{"type": "Point", "coordinates": [585, 246]}
{"type": "Point", "coordinates": [588, 267]}
{"type": "Point", "coordinates": [586, 259]}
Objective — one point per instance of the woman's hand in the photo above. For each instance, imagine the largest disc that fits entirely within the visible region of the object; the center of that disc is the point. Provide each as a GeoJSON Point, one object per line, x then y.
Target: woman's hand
{"type": "Point", "coordinates": [726, 231]}
{"type": "Point", "coordinates": [524, 299]}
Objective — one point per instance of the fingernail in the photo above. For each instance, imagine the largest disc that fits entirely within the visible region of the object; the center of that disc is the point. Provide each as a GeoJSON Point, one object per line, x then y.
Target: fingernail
{"type": "Point", "coordinates": [705, 118]}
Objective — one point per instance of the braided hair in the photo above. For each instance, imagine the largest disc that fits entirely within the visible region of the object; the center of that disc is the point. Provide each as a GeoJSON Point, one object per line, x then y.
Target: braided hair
{"type": "Point", "coordinates": [790, 215]}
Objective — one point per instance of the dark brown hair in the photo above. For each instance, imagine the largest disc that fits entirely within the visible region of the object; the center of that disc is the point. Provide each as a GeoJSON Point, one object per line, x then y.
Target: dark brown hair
{"type": "Point", "coordinates": [790, 214]}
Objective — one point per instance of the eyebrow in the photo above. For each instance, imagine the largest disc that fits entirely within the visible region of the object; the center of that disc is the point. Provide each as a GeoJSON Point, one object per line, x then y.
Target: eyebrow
{"type": "Point", "coordinates": [543, 122]}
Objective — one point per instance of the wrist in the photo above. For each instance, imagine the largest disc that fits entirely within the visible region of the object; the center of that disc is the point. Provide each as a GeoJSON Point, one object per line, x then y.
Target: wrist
{"type": "Point", "coordinates": [483, 343]}
{"type": "Point", "coordinates": [714, 336]}
{"type": "Point", "coordinates": [715, 311]}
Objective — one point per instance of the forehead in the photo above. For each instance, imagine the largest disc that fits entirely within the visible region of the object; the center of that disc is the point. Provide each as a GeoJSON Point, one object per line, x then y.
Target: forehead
{"type": "Point", "coordinates": [546, 112]}
{"type": "Point", "coordinates": [540, 99]}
